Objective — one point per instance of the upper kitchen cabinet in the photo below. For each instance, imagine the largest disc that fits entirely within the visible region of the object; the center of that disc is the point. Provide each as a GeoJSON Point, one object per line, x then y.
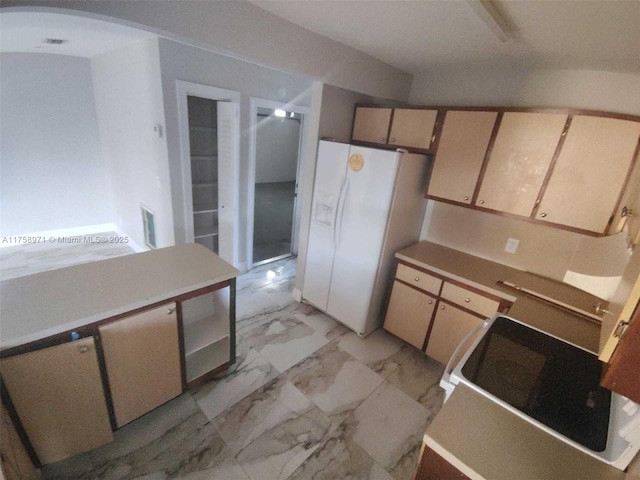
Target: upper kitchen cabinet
{"type": "Point", "coordinates": [413, 128]}
{"type": "Point", "coordinates": [371, 125]}
{"type": "Point", "coordinates": [410, 128]}
{"type": "Point", "coordinates": [587, 180]}
{"type": "Point", "coordinates": [463, 145]}
{"type": "Point", "coordinates": [519, 161]}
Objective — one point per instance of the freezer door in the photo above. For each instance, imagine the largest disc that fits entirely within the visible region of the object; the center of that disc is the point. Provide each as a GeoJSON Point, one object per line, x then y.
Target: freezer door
{"type": "Point", "coordinates": [329, 182]}
{"type": "Point", "coordinates": [363, 212]}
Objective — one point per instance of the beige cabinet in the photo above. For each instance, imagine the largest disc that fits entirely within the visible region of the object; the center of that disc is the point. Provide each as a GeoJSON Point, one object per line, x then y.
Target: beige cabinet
{"type": "Point", "coordinates": [520, 158]}
{"type": "Point", "coordinates": [402, 127]}
{"type": "Point", "coordinates": [450, 326]}
{"type": "Point", "coordinates": [58, 395]}
{"type": "Point", "coordinates": [142, 355]}
{"type": "Point", "coordinates": [409, 314]}
{"type": "Point", "coordinates": [463, 145]}
{"type": "Point", "coordinates": [590, 172]}
{"type": "Point", "coordinates": [412, 127]}
{"type": "Point", "coordinates": [371, 124]}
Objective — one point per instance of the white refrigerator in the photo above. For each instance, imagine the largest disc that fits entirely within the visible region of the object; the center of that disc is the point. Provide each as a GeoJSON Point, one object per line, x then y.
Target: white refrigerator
{"type": "Point", "coordinates": [367, 205]}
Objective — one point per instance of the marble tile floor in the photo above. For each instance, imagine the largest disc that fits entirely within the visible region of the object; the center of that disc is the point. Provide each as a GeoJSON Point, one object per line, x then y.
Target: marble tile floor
{"type": "Point", "coordinates": [306, 399]}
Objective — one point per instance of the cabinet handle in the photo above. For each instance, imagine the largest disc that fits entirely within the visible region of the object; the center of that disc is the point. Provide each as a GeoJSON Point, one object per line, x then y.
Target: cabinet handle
{"type": "Point", "coordinates": [543, 214]}
{"type": "Point", "coordinates": [430, 302]}
{"type": "Point", "coordinates": [392, 140]}
{"type": "Point", "coordinates": [467, 300]}
{"type": "Point", "coordinates": [170, 311]}
{"type": "Point", "coordinates": [481, 202]}
{"type": "Point", "coordinates": [442, 307]}
{"type": "Point", "coordinates": [382, 139]}
{"type": "Point", "coordinates": [417, 279]}
{"type": "Point", "coordinates": [84, 349]}
{"type": "Point", "coordinates": [465, 198]}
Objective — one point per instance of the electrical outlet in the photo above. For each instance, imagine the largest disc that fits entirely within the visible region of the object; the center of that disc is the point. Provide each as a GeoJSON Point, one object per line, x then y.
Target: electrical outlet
{"type": "Point", "coordinates": [512, 245]}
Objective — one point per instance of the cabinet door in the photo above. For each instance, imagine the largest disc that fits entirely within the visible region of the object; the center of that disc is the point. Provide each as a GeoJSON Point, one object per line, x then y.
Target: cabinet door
{"type": "Point", "coordinates": [142, 354]}
{"type": "Point", "coordinates": [58, 395]}
{"type": "Point", "coordinates": [412, 127]}
{"type": "Point", "coordinates": [590, 172]}
{"type": "Point", "coordinates": [409, 314]}
{"type": "Point", "coordinates": [450, 326]}
{"type": "Point", "coordinates": [520, 159]}
{"type": "Point", "coordinates": [461, 151]}
{"type": "Point", "coordinates": [371, 124]}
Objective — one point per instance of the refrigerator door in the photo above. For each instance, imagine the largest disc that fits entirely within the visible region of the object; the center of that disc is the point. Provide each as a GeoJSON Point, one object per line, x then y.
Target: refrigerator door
{"type": "Point", "coordinates": [360, 231]}
{"type": "Point", "coordinates": [328, 186]}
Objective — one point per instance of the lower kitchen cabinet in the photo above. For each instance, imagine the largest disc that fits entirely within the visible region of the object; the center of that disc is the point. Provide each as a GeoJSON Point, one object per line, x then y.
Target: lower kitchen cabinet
{"type": "Point", "coordinates": [450, 326]}
{"type": "Point", "coordinates": [57, 393]}
{"type": "Point", "coordinates": [142, 355]}
{"type": "Point", "coordinates": [431, 311]}
{"type": "Point", "coordinates": [409, 314]}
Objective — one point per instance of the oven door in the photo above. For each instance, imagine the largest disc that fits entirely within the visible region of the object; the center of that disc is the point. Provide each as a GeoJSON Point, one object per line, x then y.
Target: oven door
{"type": "Point", "coordinates": [551, 384]}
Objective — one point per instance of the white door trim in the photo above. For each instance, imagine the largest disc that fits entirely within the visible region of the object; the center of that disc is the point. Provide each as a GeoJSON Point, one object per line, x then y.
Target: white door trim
{"type": "Point", "coordinates": [254, 104]}
{"type": "Point", "coordinates": [184, 89]}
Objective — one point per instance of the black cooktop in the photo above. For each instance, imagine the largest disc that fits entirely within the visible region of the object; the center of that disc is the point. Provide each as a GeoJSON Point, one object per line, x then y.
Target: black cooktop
{"type": "Point", "coordinates": [553, 382]}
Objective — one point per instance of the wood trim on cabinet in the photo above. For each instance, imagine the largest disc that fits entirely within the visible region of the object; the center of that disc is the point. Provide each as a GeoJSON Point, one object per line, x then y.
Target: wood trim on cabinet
{"type": "Point", "coordinates": [427, 337]}
{"type": "Point", "coordinates": [437, 133]}
{"type": "Point", "coordinates": [17, 424]}
{"type": "Point", "coordinates": [386, 146]}
{"type": "Point", "coordinates": [183, 359]}
{"type": "Point", "coordinates": [552, 166]}
{"type": "Point", "coordinates": [485, 162]}
{"type": "Point", "coordinates": [432, 466]}
{"type": "Point", "coordinates": [202, 379]}
{"type": "Point", "coordinates": [625, 185]}
{"type": "Point", "coordinates": [91, 328]}
{"type": "Point", "coordinates": [387, 299]}
{"type": "Point", "coordinates": [232, 322]}
{"type": "Point", "coordinates": [417, 289]}
{"type": "Point", "coordinates": [503, 109]}
{"type": "Point", "coordinates": [104, 376]}
{"type": "Point", "coordinates": [393, 114]}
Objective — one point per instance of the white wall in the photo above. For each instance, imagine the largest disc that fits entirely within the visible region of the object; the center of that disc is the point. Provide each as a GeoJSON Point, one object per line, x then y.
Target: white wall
{"type": "Point", "coordinates": [615, 92]}
{"type": "Point", "coordinates": [129, 104]}
{"type": "Point", "coordinates": [277, 144]}
{"type": "Point", "coordinates": [52, 172]}
{"type": "Point", "coordinates": [240, 28]}
{"type": "Point", "coordinates": [184, 62]}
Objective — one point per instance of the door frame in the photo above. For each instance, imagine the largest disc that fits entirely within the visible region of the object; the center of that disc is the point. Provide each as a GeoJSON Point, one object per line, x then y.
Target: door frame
{"type": "Point", "coordinates": [256, 103]}
{"type": "Point", "coordinates": [183, 90]}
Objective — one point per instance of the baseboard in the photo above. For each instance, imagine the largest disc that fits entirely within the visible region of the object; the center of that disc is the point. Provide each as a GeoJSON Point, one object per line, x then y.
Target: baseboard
{"type": "Point", "coordinates": [131, 243]}
{"type": "Point", "coordinates": [242, 266]}
{"type": "Point", "coordinates": [297, 295]}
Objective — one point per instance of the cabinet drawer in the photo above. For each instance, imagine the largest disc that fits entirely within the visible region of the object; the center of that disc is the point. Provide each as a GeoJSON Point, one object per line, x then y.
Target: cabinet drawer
{"type": "Point", "coordinates": [419, 279]}
{"type": "Point", "coordinates": [470, 300]}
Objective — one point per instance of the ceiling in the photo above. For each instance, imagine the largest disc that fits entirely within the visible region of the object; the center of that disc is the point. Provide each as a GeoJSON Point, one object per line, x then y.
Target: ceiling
{"type": "Point", "coordinates": [418, 36]}
{"type": "Point", "coordinates": [85, 37]}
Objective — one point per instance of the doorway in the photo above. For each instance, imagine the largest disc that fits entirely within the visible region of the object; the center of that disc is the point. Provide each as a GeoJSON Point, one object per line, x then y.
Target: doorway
{"type": "Point", "coordinates": [277, 139]}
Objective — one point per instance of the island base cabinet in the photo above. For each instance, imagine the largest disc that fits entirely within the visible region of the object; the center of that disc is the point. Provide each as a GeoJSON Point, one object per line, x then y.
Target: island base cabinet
{"type": "Point", "coordinates": [433, 467]}
{"type": "Point", "coordinates": [450, 326]}
{"type": "Point", "coordinates": [409, 314]}
{"type": "Point", "coordinates": [142, 355]}
{"type": "Point", "coordinates": [58, 395]}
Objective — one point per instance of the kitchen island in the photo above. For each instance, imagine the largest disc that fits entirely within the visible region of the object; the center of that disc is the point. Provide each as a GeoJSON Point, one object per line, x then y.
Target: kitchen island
{"type": "Point", "coordinates": [87, 349]}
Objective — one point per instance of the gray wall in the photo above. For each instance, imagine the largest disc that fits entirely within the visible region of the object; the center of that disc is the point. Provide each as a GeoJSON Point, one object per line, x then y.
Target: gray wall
{"type": "Point", "coordinates": [129, 104]}
{"type": "Point", "coordinates": [184, 62]}
{"type": "Point", "coordinates": [336, 115]}
{"type": "Point", "coordinates": [53, 175]}
{"type": "Point", "coordinates": [240, 28]}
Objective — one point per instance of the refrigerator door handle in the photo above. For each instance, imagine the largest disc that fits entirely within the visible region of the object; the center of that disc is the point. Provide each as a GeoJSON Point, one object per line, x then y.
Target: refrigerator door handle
{"type": "Point", "coordinates": [340, 213]}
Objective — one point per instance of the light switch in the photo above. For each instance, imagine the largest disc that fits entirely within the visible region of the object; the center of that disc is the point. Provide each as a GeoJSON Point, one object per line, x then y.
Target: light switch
{"type": "Point", "coordinates": [512, 245]}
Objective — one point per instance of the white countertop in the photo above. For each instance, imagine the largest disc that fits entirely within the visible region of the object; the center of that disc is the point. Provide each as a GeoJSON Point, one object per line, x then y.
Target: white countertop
{"type": "Point", "coordinates": [488, 442]}
{"type": "Point", "coordinates": [43, 304]}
